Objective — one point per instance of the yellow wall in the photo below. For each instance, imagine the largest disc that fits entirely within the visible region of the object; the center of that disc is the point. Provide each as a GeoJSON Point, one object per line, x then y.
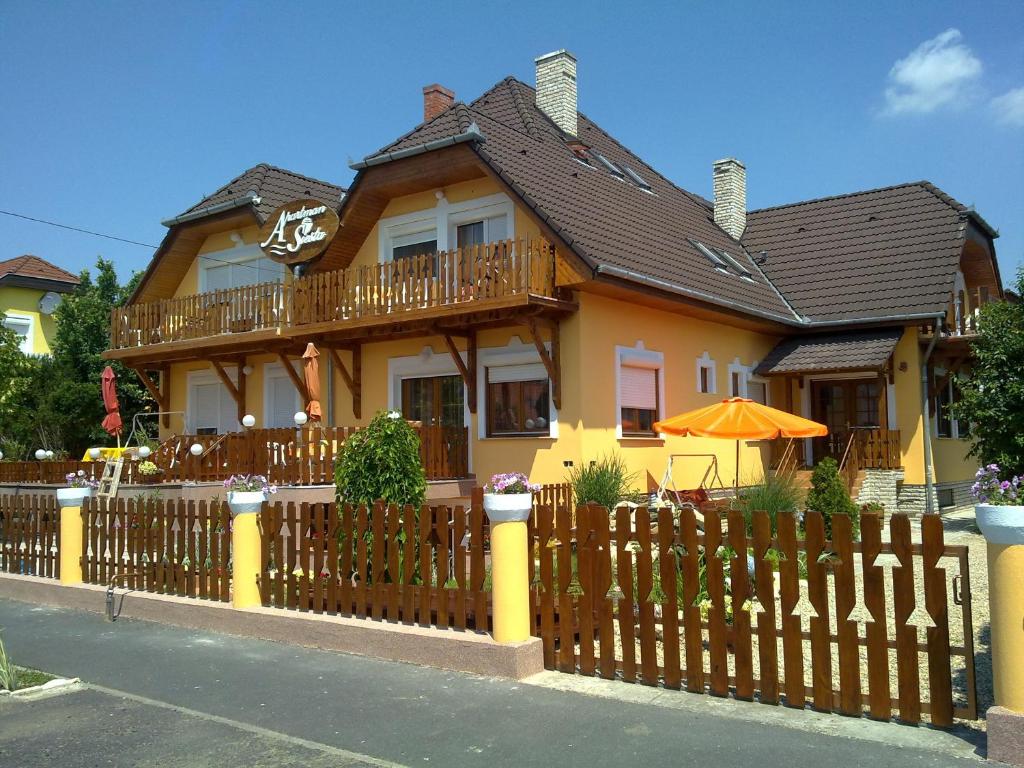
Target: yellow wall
{"type": "Point", "coordinates": [25, 301]}
{"type": "Point", "coordinates": [221, 241]}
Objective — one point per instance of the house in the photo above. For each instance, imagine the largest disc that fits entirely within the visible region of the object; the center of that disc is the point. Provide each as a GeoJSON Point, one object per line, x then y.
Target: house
{"type": "Point", "coordinates": [511, 276]}
{"type": "Point", "coordinates": [30, 291]}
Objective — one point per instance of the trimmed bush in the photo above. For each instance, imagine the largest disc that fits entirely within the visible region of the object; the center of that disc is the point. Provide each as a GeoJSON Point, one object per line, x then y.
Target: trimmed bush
{"type": "Point", "coordinates": [382, 462]}
{"type": "Point", "coordinates": [828, 495]}
{"type": "Point", "coordinates": [606, 482]}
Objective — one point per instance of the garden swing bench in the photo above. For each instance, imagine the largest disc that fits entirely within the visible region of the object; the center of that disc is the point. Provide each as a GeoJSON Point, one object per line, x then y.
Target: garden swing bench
{"type": "Point", "coordinates": [669, 493]}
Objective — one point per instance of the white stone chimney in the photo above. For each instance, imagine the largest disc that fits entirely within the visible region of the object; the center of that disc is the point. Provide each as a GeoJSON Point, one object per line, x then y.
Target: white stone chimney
{"type": "Point", "coordinates": [556, 88]}
{"type": "Point", "coordinates": [731, 196]}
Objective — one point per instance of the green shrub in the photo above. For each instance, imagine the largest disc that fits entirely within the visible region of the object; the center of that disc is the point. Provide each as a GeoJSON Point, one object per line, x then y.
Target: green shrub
{"type": "Point", "coordinates": [382, 462]}
{"type": "Point", "coordinates": [775, 494]}
{"type": "Point", "coordinates": [828, 495]}
{"type": "Point", "coordinates": [606, 482]}
{"type": "Point", "coordinates": [8, 672]}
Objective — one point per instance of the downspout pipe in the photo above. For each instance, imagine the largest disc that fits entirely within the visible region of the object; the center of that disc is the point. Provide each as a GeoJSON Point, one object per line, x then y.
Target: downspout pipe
{"type": "Point", "coordinates": [929, 474]}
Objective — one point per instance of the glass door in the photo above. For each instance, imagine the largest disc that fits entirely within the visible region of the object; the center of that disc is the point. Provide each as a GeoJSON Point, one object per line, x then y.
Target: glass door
{"type": "Point", "coordinates": [435, 401]}
{"type": "Point", "coordinates": [844, 406]}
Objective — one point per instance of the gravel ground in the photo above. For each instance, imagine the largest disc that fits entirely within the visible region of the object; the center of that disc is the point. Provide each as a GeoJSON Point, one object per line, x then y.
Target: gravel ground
{"type": "Point", "coordinates": [959, 529]}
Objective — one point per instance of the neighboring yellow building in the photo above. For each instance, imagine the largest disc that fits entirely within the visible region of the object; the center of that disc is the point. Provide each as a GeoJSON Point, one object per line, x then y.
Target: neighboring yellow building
{"type": "Point", "coordinates": [30, 290]}
{"type": "Point", "coordinates": [510, 275]}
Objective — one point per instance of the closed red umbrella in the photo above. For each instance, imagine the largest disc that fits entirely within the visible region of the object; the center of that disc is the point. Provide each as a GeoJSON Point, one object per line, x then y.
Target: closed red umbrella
{"type": "Point", "coordinates": [112, 421]}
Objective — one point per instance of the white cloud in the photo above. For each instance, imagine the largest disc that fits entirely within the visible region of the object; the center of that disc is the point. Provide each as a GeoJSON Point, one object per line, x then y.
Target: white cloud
{"type": "Point", "coordinates": [1009, 107]}
{"type": "Point", "coordinates": [933, 75]}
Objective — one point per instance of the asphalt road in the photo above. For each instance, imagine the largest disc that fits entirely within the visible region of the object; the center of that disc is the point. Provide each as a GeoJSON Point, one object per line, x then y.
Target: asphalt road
{"type": "Point", "coordinates": [171, 696]}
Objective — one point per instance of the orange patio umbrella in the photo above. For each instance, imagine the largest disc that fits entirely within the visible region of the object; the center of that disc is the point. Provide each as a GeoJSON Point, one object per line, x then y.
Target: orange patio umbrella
{"type": "Point", "coordinates": [112, 421]}
{"type": "Point", "coordinates": [740, 418]}
{"type": "Point", "coordinates": [311, 372]}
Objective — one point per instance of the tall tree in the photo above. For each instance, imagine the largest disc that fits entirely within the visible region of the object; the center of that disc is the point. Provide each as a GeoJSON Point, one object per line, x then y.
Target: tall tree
{"type": "Point", "coordinates": [992, 398]}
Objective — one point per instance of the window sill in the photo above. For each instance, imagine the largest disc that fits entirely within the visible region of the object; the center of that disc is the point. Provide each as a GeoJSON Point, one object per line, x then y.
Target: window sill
{"type": "Point", "coordinates": [642, 439]}
{"type": "Point", "coordinates": [536, 436]}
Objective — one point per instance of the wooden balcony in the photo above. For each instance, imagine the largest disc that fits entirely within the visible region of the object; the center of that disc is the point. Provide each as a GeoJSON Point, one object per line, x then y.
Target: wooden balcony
{"type": "Point", "coordinates": [464, 286]}
{"type": "Point", "coordinates": [962, 315]}
{"type": "Point", "coordinates": [286, 456]}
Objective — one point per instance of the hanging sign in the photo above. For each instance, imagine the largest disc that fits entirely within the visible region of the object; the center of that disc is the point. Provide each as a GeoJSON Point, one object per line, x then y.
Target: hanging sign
{"type": "Point", "coordinates": [298, 231]}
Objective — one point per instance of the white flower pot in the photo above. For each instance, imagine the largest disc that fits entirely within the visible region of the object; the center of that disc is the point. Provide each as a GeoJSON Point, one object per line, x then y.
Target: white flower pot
{"type": "Point", "coordinates": [508, 507]}
{"type": "Point", "coordinates": [72, 497]}
{"type": "Point", "coordinates": [245, 502]}
{"type": "Point", "coordinates": [1000, 525]}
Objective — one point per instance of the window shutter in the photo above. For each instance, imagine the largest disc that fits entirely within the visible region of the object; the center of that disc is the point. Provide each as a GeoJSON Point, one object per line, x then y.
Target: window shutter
{"type": "Point", "coordinates": [529, 372]}
{"type": "Point", "coordinates": [639, 387]}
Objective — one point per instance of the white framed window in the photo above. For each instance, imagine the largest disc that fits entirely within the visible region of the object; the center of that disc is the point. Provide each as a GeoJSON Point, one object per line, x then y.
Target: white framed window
{"type": "Point", "coordinates": [236, 267]}
{"type": "Point", "coordinates": [446, 226]}
{"type": "Point", "coordinates": [281, 400]}
{"type": "Point", "coordinates": [23, 327]}
{"type": "Point", "coordinates": [739, 375]}
{"type": "Point", "coordinates": [758, 390]}
{"type": "Point", "coordinates": [514, 393]}
{"type": "Point", "coordinates": [706, 375]}
{"type": "Point", "coordinates": [210, 409]}
{"type": "Point", "coordinates": [947, 394]}
{"type": "Point", "coordinates": [639, 391]}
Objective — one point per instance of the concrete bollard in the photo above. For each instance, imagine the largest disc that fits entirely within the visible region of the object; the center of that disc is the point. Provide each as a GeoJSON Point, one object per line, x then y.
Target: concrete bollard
{"type": "Point", "coordinates": [70, 501]}
{"type": "Point", "coordinates": [1003, 528]}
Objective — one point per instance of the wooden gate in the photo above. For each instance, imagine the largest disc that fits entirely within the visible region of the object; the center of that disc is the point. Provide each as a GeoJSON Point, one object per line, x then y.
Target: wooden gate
{"type": "Point", "coordinates": [724, 607]}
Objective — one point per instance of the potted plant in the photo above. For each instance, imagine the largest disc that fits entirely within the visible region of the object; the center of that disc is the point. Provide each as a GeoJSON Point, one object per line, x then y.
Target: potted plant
{"type": "Point", "coordinates": [509, 497]}
{"type": "Point", "coordinates": [149, 472]}
{"type": "Point", "coordinates": [1000, 507]}
{"type": "Point", "coordinates": [246, 493]}
{"type": "Point", "coordinates": [80, 486]}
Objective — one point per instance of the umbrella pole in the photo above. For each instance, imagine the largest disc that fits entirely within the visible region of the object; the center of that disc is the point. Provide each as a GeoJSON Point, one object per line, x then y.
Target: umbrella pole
{"type": "Point", "coordinates": [736, 479]}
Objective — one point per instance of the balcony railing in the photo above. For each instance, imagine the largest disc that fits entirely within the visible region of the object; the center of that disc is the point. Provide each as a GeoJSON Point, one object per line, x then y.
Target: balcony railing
{"type": "Point", "coordinates": [962, 313]}
{"type": "Point", "coordinates": [286, 456]}
{"type": "Point", "coordinates": [466, 278]}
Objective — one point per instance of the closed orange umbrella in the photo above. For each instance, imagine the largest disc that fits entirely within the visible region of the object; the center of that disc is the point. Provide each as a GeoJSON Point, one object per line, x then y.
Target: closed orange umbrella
{"type": "Point", "coordinates": [112, 421]}
{"type": "Point", "coordinates": [311, 372]}
{"type": "Point", "coordinates": [740, 418]}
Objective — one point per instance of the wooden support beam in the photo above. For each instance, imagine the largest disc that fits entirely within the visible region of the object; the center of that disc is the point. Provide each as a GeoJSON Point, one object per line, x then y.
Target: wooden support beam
{"type": "Point", "coordinates": [466, 368]}
{"type": "Point", "coordinates": [240, 366]}
{"type": "Point", "coordinates": [237, 391]}
{"type": "Point", "coordinates": [300, 385]}
{"type": "Point", "coordinates": [552, 361]}
{"type": "Point", "coordinates": [161, 394]}
{"type": "Point", "coordinates": [353, 380]}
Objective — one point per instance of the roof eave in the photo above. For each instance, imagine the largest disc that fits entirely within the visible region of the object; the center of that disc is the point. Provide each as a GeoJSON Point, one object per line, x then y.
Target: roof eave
{"type": "Point", "coordinates": [212, 210]}
{"type": "Point", "coordinates": [39, 283]}
{"type": "Point", "coordinates": [471, 134]}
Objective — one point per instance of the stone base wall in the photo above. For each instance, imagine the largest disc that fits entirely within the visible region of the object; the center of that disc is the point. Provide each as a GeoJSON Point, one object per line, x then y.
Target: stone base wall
{"type": "Point", "coordinates": [881, 486]}
{"type": "Point", "coordinates": [962, 498]}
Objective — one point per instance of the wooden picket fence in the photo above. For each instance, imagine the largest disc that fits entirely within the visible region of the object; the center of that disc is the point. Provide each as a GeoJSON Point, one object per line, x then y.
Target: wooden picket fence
{"type": "Point", "coordinates": [30, 536]}
{"type": "Point", "coordinates": [421, 565]}
{"type": "Point", "coordinates": [171, 547]}
{"type": "Point", "coordinates": [659, 599]}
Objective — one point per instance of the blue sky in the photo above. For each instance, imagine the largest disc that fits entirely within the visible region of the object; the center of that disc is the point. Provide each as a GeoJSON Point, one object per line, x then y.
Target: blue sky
{"type": "Point", "coordinates": [118, 115]}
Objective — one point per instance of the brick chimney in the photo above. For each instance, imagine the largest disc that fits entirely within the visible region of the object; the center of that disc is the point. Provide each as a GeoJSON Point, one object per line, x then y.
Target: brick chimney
{"type": "Point", "coordinates": [731, 196]}
{"type": "Point", "coordinates": [436, 99]}
{"type": "Point", "coordinates": [556, 88]}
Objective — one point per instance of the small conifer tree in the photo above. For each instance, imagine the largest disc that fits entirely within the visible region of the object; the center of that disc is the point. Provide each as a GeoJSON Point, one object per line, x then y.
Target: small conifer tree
{"type": "Point", "coordinates": [828, 495]}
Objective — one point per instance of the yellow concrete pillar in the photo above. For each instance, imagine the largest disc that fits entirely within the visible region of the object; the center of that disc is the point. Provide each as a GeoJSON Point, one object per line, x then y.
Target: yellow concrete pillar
{"type": "Point", "coordinates": [1006, 604]}
{"type": "Point", "coordinates": [70, 502]}
{"type": "Point", "coordinates": [510, 581]}
{"type": "Point", "coordinates": [245, 547]}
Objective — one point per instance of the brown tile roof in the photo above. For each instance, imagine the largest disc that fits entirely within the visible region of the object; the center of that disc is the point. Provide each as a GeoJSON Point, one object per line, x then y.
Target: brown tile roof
{"type": "Point", "coordinates": [856, 350]}
{"type": "Point", "coordinates": [608, 221]}
{"type": "Point", "coordinates": [33, 267]}
{"type": "Point", "coordinates": [883, 252]}
{"type": "Point", "coordinates": [274, 186]}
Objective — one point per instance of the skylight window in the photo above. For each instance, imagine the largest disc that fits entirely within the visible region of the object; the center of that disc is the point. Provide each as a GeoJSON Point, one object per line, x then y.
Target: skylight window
{"type": "Point", "coordinates": [735, 264]}
{"type": "Point", "coordinates": [636, 178]}
{"type": "Point", "coordinates": [716, 261]}
{"type": "Point", "coordinates": [611, 167]}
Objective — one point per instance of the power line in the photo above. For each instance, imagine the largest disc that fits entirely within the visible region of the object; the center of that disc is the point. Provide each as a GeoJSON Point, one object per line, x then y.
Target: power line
{"type": "Point", "coordinates": [120, 239]}
{"type": "Point", "coordinates": [77, 229]}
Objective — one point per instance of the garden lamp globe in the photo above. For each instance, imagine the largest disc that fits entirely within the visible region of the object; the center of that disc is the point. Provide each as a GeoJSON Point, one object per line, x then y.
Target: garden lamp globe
{"type": "Point", "coordinates": [40, 454]}
{"type": "Point", "coordinates": [1, 455]}
{"type": "Point", "coordinates": [301, 418]}
{"type": "Point", "coordinates": [49, 454]}
{"type": "Point", "coordinates": [95, 453]}
{"type": "Point", "coordinates": [195, 449]}
{"type": "Point", "coordinates": [248, 421]}
{"type": "Point", "coordinates": [144, 452]}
